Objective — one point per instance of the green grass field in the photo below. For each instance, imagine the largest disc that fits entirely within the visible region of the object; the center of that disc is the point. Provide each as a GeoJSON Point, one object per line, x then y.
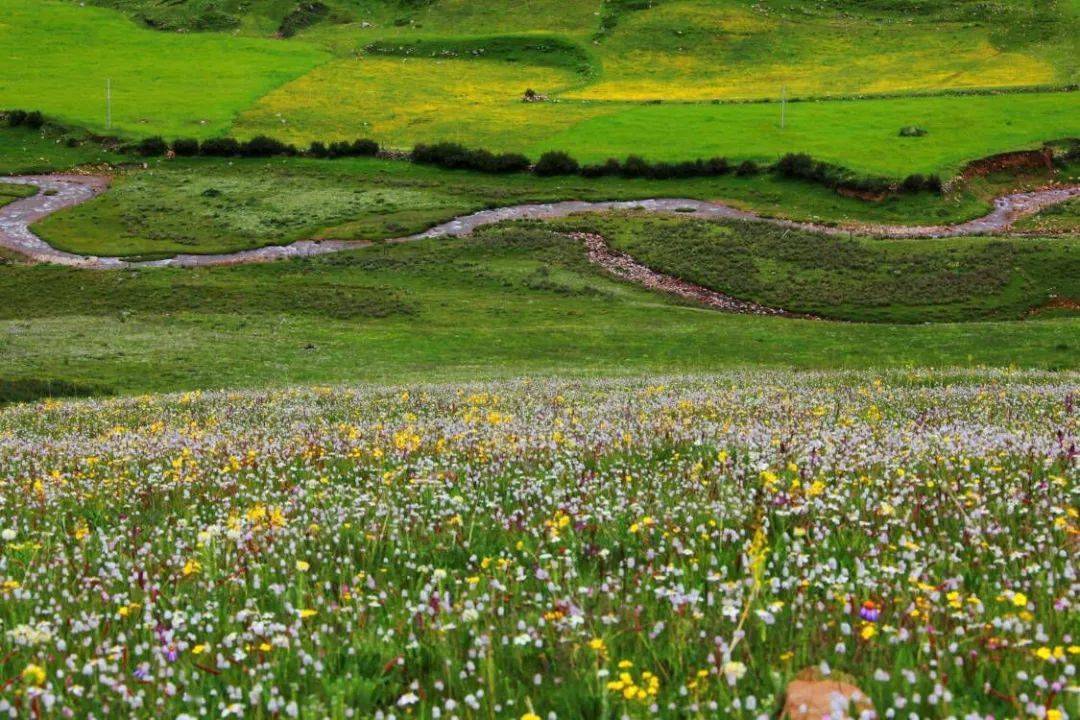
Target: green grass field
{"type": "Point", "coordinates": [211, 206]}
{"type": "Point", "coordinates": [57, 57]}
{"type": "Point", "coordinates": [739, 50]}
{"type": "Point", "coordinates": [863, 135]}
{"type": "Point", "coordinates": [505, 303]}
{"type": "Point", "coordinates": [856, 279]}
{"type": "Point", "coordinates": [483, 477]}
{"type": "Point", "coordinates": [24, 151]}
{"type": "Point", "coordinates": [455, 70]}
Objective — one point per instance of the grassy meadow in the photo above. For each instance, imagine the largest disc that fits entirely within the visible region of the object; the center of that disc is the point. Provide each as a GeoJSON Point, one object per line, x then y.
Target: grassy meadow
{"type": "Point", "coordinates": [504, 303]}
{"type": "Point", "coordinates": [482, 477]}
{"type": "Point", "coordinates": [453, 70]}
{"type": "Point", "coordinates": [656, 547]}
{"type": "Point", "coordinates": [211, 206]}
{"type": "Point", "coordinates": [852, 278]}
{"type": "Point", "coordinates": [56, 57]}
{"type": "Point", "coordinates": [738, 50]}
{"type": "Point", "coordinates": [24, 151]}
{"type": "Point", "coordinates": [861, 134]}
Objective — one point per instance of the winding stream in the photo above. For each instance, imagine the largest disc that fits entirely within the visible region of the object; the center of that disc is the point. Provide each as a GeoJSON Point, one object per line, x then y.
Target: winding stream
{"type": "Point", "coordinates": [61, 191]}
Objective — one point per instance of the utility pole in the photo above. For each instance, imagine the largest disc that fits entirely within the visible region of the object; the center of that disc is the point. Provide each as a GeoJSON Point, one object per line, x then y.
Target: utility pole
{"type": "Point", "coordinates": [108, 104]}
{"type": "Point", "coordinates": [783, 106]}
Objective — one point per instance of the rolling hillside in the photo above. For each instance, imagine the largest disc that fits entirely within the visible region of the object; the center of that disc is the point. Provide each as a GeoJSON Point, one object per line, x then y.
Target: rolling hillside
{"type": "Point", "coordinates": [616, 74]}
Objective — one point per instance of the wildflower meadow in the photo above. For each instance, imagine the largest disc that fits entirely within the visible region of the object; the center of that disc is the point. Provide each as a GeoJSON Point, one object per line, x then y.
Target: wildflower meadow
{"type": "Point", "coordinates": [662, 547]}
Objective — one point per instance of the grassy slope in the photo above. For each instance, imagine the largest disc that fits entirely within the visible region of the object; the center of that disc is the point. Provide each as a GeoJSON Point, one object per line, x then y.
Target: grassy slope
{"type": "Point", "coordinates": [721, 48]}
{"type": "Point", "coordinates": [734, 49]}
{"type": "Point", "coordinates": [57, 57]}
{"type": "Point", "coordinates": [501, 304]}
{"type": "Point", "coordinates": [853, 278]}
{"type": "Point", "coordinates": [206, 206]}
{"type": "Point", "coordinates": [403, 101]}
{"type": "Point", "coordinates": [670, 51]}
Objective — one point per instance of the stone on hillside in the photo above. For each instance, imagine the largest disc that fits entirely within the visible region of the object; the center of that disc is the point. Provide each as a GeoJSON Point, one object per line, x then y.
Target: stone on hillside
{"type": "Point", "coordinates": [812, 696]}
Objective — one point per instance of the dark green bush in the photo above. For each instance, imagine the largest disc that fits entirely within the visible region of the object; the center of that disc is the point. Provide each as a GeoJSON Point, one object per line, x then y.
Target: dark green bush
{"type": "Point", "coordinates": [800, 166]}
{"type": "Point", "coordinates": [453, 156]}
{"type": "Point", "coordinates": [15, 118]}
{"type": "Point", "coordinates": [151, 147]}
{"type": "Point", "coordinates": [302, 16]}
{"type": "Point", "coordinates": [185, 147]}
{"type": "Point", "coordinates": [511, 163]}
{"type": "Point", "coordinates": [220, 147]}
{"type": "Point", "coordinates": [356, 148]}
{"type": "Point", "coordinates": [34, 120]}
{"type": "Point", "coordinates": [556, 163]}
{"type": "Point", "coordinates": [747, 168]}
{"type": "Point", "coordinates": [796, 165]}
{"type": "Point", "coordinates": [262, 146]}
{"type": "Point", "coordinates": [364, 148]}
{"type": "Point", "coordinates": [608, 168]}
{"type": "Point", "coordinates": [445, 154]}
{"type": "Point", "coordinates": [635, 166]}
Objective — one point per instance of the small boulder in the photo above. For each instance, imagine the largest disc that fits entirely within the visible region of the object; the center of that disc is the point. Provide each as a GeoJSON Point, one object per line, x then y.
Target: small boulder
{"type": "Point", "coordinates": [812, 696]}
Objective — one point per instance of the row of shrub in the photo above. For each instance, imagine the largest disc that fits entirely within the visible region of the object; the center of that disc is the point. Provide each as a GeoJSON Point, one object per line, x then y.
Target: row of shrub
{"type": "Point", "coordinates": [800, 166]}
{"type": "Point", "coordinates": [260, 146]}
{"type": "Point", "coordinates": [32, 119]}
{"type": "Point", "coordinates": [454, 156]}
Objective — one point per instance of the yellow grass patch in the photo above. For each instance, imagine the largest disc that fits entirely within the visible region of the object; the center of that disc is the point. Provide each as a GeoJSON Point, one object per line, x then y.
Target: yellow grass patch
{"type": "Point", "coordinates": [694, 51]}
{"type": "Point", "coordinates": [400, 101]}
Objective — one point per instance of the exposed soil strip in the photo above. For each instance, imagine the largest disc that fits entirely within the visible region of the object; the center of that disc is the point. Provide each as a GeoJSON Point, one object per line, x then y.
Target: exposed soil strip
{"type": "Point", "coordinates": [60, 191]}
{"type": "Point", "coordinates": [625, 267]}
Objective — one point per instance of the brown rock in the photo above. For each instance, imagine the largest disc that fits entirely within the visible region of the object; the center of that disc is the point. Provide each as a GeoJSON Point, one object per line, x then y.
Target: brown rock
{"type": "Point", "coordinates": [811, 696]}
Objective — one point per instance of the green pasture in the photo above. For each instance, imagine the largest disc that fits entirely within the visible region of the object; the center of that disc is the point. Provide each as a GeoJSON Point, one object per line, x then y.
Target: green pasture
{"type": "Point", "coordinates": [57, 57]}
{"type": "Point", "coordinates": [733, 49]}
{"type": "Point", "coordinates": [850, 277]}
{"type": "Point", "coordinates": [418, 72]}
{"type": "Point", "coordinates": [503, 303]}
{"type": "Point", "coordinates": [212, 206]}
{"type": "Point", "coordinates": [863, 135]}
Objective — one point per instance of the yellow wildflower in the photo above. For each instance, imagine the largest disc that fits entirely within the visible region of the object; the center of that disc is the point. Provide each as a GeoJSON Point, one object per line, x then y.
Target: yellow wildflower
{"type": "Point", "coordinates": [34, 675]}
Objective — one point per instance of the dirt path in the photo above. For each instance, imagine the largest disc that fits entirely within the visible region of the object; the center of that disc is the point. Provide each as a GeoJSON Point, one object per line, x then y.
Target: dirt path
{"type": "Point", "coordinates": [60, 191]}
{"type": "Point", "coordinates": [623, 266]}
